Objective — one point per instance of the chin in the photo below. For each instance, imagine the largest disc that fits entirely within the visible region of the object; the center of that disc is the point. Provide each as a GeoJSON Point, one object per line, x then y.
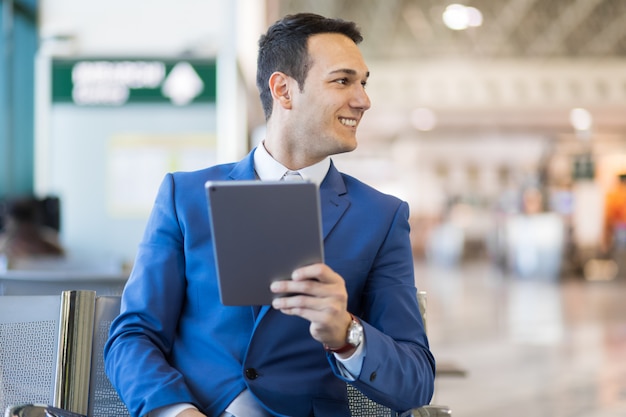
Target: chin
{"type": "Point", "coordinates": [350, 146]}
{"type": "Point", "coordinates": [339, 144]}
{"type": "Point", "coordinates": [345, 148]}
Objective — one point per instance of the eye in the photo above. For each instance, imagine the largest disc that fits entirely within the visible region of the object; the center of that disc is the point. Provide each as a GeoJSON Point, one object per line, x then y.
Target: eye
{"type": "Point", "coordinates": [342, 81]}
{"type": "Point", "coordinates": [364, 84]}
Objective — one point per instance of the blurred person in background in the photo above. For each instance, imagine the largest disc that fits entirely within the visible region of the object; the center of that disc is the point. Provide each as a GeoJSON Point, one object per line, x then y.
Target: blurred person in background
{"type": "Point", "coordinates": [614, 237]}
{"type": "Point", "coordinates": [532, 201]}
{"type": "Point", "coordinates": [24, 234]}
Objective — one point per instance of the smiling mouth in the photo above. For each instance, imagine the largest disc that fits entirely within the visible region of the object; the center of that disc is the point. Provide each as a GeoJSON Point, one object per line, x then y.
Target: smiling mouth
{"type": "Point", "coordinates": [347, 122]}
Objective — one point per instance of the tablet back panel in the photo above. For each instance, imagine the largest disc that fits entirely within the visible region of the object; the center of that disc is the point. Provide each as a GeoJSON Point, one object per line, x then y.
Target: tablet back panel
{"type": "Point", "coordinates": [261, 232]}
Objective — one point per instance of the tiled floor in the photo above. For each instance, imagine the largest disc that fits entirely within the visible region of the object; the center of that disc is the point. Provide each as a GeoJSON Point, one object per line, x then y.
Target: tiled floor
{"type": "Point", "coordinates": [531, 348]}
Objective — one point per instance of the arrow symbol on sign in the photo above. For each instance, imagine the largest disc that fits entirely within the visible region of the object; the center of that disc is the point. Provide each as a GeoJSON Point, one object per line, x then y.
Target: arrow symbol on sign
{"type": "Point", "coordinates": [182, 85]}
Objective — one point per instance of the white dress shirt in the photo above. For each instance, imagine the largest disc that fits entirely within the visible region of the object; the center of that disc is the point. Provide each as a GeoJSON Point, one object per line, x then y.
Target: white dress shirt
{"type": "Point", "coordinates": [245, 405]}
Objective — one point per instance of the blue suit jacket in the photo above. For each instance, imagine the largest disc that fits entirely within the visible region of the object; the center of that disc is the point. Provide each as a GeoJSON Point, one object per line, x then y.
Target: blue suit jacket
{"type": "Point", "coordinates": [175, 342]}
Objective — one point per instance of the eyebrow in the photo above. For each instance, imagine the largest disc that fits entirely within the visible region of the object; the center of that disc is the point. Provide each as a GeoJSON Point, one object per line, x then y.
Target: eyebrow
{"type": "Point", "coordinates": [348, 71]}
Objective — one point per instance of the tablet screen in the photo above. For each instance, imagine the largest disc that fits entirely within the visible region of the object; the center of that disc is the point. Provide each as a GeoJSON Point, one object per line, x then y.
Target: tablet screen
{"type": "Point", "coordinates": [262, 231]}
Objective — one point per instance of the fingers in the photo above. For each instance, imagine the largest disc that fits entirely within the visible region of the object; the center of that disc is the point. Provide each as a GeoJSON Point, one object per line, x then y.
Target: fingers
{"type": "Point", "coordinates": [319, 271]}
{"type": "Point", "coordinates": [308, 299]}
{"type": "Point", "coordinates": [317, 294]}
{"type": "Point", "coordinates": [190, 412]}
{"type": "Point", "coordinates": [315, 287]}
{"type": "Point", "coordinates": [316, 281]}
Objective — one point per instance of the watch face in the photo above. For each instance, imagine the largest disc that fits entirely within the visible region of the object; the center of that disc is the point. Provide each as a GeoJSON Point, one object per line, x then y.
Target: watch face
{"type": "Point", "coordinates": [355, 333]}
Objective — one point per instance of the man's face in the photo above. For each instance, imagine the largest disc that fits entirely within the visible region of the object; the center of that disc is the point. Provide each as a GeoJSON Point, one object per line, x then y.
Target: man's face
{"type": "Point", "coordinates": [325, 115]}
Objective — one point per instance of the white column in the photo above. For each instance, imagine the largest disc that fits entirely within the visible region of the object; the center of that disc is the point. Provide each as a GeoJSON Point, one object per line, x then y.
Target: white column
{"type": "Point", "coordinates": [231, 112]}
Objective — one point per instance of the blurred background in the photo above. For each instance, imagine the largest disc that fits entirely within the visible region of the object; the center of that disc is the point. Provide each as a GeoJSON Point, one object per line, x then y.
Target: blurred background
{"type": "Point", "coordinates": [501, 122]}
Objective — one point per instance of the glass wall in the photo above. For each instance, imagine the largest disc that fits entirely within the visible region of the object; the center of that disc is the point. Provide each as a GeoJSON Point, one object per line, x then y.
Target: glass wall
{"type": "Point", "coordinates": [18, 44]}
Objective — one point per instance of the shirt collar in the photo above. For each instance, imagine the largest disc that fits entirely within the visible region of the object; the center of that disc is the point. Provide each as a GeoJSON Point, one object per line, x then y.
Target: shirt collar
{"type": "Point", "coordinates": [269, 169]}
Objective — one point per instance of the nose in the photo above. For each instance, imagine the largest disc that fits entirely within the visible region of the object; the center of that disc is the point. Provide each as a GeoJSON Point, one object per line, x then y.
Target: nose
{"type": "Point", "coordinates": [361, 100]}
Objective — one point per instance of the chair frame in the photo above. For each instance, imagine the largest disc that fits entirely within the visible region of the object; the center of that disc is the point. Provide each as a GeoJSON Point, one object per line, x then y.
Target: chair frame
{"type": "Point", "coordinates": [76, 358]}
{"type": "Point", "coordinates": [75, 351]}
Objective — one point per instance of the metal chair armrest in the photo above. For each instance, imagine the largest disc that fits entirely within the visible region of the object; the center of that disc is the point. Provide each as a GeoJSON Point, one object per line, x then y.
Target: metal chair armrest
{"type": "Point", "coordinates": [432, 411]}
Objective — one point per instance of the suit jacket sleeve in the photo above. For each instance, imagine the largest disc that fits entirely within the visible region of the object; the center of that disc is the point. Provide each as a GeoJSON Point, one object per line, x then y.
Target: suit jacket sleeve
{"type": "Point", "coordinates": [398, 369]}
{"type": "Point", "coordinates": [142, 336]}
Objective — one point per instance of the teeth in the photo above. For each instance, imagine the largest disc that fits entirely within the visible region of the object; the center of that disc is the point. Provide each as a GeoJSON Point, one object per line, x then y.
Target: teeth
{"type": "Point", "coordinates": [348, 122]}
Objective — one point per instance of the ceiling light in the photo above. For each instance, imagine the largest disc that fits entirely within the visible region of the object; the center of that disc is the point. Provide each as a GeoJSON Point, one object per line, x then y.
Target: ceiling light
{"type": "Point", "coordinates": [475, 17]}
{"type": "Point", "coordinates": [581, 119]}
{"type": "Point", "coordinates": [460, 17]}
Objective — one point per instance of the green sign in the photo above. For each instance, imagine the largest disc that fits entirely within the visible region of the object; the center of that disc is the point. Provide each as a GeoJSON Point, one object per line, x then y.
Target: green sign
{"type": "Point", "coordinates": [115, 82]}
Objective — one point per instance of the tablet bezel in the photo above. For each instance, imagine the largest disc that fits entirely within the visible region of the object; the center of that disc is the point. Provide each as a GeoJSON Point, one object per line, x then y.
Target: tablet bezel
{"type": "Point", "coordinates": [261, 232]}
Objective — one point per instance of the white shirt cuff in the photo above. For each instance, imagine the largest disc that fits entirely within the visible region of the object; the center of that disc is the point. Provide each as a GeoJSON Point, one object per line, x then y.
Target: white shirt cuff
{"type": "Point", "coordinates": [350, 367]}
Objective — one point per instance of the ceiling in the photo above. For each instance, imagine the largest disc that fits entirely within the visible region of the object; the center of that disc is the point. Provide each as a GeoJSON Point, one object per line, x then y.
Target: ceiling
{"type": "Point", "coordinates": [524, 68]}
{"type": "Point", "coordinates": [401, 29]}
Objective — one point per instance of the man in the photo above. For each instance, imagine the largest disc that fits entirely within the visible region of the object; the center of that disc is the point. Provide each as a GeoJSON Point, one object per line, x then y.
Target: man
{"type": "Point", "coordinates": [175, 350]}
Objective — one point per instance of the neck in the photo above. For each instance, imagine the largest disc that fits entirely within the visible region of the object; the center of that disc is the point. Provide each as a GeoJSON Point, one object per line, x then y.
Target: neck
{"type": "Point", "coordinates": [290, 155]}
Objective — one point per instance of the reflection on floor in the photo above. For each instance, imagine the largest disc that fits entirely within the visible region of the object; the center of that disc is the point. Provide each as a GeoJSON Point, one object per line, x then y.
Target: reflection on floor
{"type": "Point", "coordinates": [532, 348]}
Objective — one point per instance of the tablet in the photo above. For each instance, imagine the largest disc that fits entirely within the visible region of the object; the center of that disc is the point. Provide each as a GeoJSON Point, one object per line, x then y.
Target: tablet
{"type": "Point", "coordinates": [262, 231]}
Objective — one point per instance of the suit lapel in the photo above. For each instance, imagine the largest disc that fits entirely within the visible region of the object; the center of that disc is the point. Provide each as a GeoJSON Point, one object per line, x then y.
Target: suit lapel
{"type": "Point", "coordinates": [244, 169]}
{"type": "Point", "coordinates": [334, 200]}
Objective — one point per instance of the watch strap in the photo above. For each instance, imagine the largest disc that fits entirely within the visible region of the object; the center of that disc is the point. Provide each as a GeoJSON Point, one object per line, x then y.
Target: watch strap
{"type": "Point", "coordinates": [348, 346]}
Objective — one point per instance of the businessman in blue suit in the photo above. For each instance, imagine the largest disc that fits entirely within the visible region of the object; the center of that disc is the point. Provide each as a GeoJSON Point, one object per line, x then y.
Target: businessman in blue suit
{"type": "Point", "coordinates": [175, 350]}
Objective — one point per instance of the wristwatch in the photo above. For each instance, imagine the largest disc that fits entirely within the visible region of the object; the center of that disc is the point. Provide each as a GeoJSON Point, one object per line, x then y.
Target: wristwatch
{"type": "Point", "coordinates": [354, 337]}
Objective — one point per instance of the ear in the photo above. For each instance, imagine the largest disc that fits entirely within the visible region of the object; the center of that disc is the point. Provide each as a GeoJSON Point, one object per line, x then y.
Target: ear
{"type": "Point", "coordinates": [280, 87]}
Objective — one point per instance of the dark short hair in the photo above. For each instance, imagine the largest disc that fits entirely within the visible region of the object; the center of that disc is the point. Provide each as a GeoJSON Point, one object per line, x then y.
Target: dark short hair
{"type": "Point", "coordinates": [284, 48]}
